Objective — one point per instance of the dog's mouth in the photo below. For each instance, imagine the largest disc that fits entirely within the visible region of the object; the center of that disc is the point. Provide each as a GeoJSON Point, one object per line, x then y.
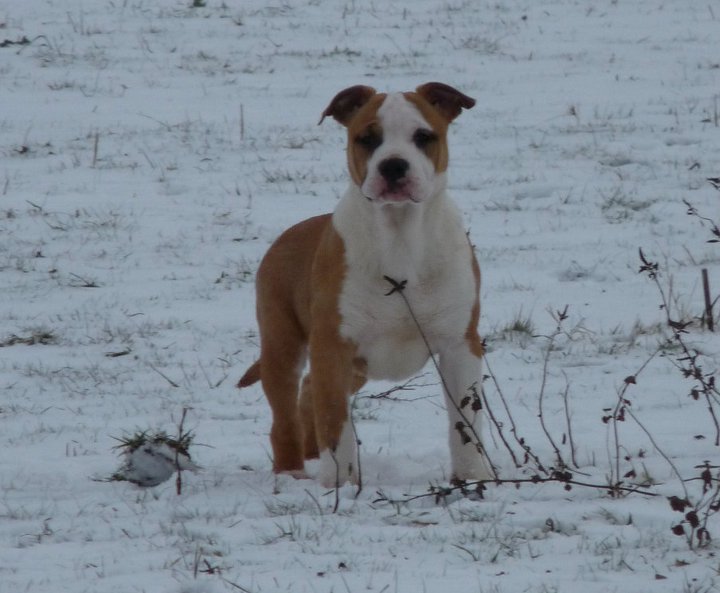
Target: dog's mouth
{"type": "Point", "coordinates": [397, 196]}
{"type": "Point", "coordinates": [395, 193]}
{"type": "Point", "coordinates": [393, 198]}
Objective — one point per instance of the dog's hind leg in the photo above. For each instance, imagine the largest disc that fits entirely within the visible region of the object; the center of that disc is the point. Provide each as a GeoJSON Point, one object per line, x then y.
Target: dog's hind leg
{"type": "Point", "coordinates": [283, 357]}
{"type": "Point", "coordinates": [333, 380]}
{"type": "Point", "coordinates": [307, 419]}
{"type": "Point", "coordinates": [307, 413]}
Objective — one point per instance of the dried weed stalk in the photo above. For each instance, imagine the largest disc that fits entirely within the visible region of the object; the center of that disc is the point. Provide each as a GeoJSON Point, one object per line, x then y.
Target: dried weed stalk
{"type": "Point", "coordinates": [620, 482]}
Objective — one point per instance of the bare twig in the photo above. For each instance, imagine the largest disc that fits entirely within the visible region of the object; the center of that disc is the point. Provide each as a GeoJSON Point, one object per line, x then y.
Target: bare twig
{"type": "Point", "coordinates": [408, 385]}
{"type": "Point", "coordinates": [697, 518]}
{"type": "Point", "coordinates": [704, 220]}
{"type": "Point", "coordinates": [441, 492]}
{"type": "Point", "coordinates": [357, 458]}
{"type": "Point", "coordinates": [688, 364]}
{"type": "Point", "coordinates": [234, 585]}
{"type": "Point", "coordinates": [164, 376]}
{"type": "Point", "coordinates": [84, 282]}
{"type": "Point", "coordinates": [180, 438]}
{"type": "Point", "coordinates": [568, 423]}
{"type": "Point", "coordinates": [560, 316]}
{"type": "Point", "coordinates": [709, 318]}
{"type": "Point", "coordinates": [399, 288]}
{"type": "Point", "coordinates": [242, 122]}
{"type": "Point", "coordinates": [658, 449]}
{"type": "Point", "coordinates": [622, 406]}
{"type": "Point", "coordinates": [513, 427]}
{"type": "Point", "coordinates": [693, 526]}
{"type": "Point", "coordinates": [496, 422]}
{"type": "Point", "coordinates": [96, 142]}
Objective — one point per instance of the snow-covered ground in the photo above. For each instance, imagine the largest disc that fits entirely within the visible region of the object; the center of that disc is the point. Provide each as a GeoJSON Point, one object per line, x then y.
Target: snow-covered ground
{"type": "Point", "coordinates": [150, 151]}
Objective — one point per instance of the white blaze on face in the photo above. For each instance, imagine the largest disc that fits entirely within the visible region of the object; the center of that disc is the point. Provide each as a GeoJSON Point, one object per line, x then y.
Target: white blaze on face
{"type": "Point", "coordinates": [400, 120]}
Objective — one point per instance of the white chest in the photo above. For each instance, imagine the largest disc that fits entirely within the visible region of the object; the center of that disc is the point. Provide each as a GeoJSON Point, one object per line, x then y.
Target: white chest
{"type": "Point", "coordinates": [387, 333]}
{"type": "Point", "coordinates": [440, 291]}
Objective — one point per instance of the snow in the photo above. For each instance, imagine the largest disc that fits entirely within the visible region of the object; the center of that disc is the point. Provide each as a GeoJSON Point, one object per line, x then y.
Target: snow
{"type": "Point", "coordinates": [149, 154]}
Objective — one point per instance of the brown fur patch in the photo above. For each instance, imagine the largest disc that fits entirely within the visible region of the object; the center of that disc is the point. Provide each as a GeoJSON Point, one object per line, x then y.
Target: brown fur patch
{"type": "Point", "coordinates": [365, 118]}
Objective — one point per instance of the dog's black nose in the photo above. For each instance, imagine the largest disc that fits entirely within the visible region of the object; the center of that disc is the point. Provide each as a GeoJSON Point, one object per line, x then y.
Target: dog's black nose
{"type": "Point", "coordinates": [393, 169]}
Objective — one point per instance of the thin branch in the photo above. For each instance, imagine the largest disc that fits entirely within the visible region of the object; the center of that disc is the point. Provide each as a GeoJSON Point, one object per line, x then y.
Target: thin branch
{"type": "Point", "coordinates": [441, 492]}
{"type": "Point", "coordinates": [561, 316]}
{"type": "Point", "coordinates": [399, 288]}
{"type": "Point", "coordinates": [569, 423]}
{"type": "Point", "coordinates": [513, 427]}
{"type": "Point", "coordinates": [164, 376]}
{"type": "Point", "coordinates": [618, 415]}
{"type": "Point", "coordinates": [357, 458]}
{"type": "Point", "coordinates": [408, 385]}
{"type": "Point", "coordinates": [658, 449]}
{"type": "Point", "coordinates": [498, 424]}
{"type": "Point", "coordinates": [178, 469]}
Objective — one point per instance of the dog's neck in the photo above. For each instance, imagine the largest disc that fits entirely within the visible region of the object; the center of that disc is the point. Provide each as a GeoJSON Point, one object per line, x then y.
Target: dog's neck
{"type": "Point", "coordinates": [392, 240]}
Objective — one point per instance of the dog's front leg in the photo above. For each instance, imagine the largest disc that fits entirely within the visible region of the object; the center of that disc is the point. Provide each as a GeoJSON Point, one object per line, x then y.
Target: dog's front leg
{"type": "Point", "coordinates": [333, 381]}
{"type": "Point", "coordinates": [462, 373]}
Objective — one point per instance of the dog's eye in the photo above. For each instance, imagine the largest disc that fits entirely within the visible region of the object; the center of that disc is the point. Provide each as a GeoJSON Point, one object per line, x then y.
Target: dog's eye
{"type": "Point", "coordinates": [422, 138]}
{"type": "Point", "coordinates": [370, 140]}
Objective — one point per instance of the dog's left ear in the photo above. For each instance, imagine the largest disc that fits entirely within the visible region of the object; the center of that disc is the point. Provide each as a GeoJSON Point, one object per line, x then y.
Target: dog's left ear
{"type": "Point", "coordinates": [447, 100]}
{"type": "Point", "coordinates": [347, 102]}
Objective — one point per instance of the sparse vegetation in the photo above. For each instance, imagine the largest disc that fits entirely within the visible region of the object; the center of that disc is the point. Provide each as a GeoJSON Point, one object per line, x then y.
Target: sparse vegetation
{"type": "Point", "coordinates": [39, 336]}
{"type": "Point", "coordinates": [151, 151]}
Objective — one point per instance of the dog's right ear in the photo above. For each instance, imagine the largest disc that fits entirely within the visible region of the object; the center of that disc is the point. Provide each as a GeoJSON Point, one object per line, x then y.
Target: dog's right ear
{"type": "Point", "coordinates": [347, 102]}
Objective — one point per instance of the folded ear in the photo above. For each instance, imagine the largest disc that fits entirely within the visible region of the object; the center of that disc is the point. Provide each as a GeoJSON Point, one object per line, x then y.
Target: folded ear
{"type": "Point", "coordinates": [448, 101]}
{"type": "Point", "coordinates": [347, 102]}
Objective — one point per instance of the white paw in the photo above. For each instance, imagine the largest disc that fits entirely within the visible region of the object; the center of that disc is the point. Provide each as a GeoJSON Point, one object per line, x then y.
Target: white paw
{"type": "Point", "coordinates": [340, 466]}
{"type": "Point", "coordinates": [335, 471]}
{"type": "Point", "coordinates": [472, 468]}
{"type": "Point", "coordinates": [298, 474]}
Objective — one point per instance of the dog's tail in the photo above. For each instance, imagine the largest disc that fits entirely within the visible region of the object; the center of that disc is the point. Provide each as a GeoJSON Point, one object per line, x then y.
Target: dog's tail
{"type": "Point", "coordinates": [252, 375]}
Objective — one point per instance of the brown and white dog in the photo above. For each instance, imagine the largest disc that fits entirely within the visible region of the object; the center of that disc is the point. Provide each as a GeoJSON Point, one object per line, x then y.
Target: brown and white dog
{"type": "Point", "coordinates": [322, 288]}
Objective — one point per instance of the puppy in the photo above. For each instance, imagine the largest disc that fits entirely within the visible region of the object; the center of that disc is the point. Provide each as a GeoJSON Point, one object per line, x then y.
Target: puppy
{"type": "Point", "coordinates": [373, 289]}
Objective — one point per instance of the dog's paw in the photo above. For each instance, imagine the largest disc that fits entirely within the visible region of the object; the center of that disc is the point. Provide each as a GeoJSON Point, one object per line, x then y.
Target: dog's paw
{"type": "Point", "coordinates": [298, 474]}
{"type": "Point", "coordinates": [336, 469]}
{"type": "Point", "coordinates": [339, 464]}
{"type": "Point", "coordinates": [470, 470]}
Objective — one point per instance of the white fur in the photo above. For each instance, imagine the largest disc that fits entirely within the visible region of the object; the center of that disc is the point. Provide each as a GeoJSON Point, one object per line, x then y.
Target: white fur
{"type": "Point", "coordinates": [422, 241]}
{"type": "Point", "coordinates": [430, 251]}
{"type": "Point", "coordinates": [340, 466]}
{"type": "Point", "coordinates": [462, 373]}
{"type": "Point", "coordinates": [399, 120]}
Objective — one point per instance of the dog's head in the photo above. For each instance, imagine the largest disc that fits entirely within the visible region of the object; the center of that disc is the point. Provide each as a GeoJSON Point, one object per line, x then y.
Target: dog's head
{"type": "Point", "coordinates": [397, 143]}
